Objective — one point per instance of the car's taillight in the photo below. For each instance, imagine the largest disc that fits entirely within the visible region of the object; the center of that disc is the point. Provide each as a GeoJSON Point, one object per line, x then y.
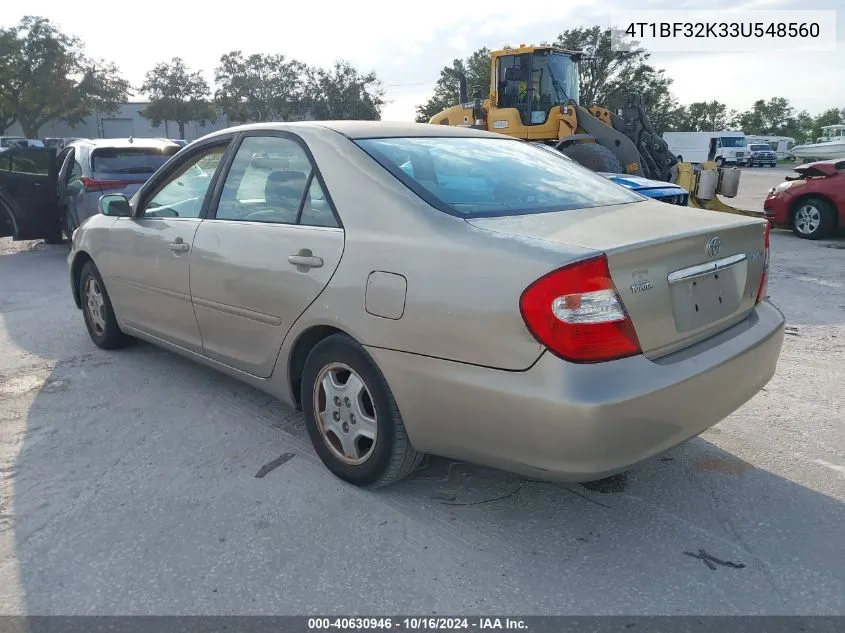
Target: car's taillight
{"type": "Point", "coordinates": [764, 280]}
{"type": "Point", "coordinates": [577, 314]}
{"type": "Point", "coordinates": [97, 184]}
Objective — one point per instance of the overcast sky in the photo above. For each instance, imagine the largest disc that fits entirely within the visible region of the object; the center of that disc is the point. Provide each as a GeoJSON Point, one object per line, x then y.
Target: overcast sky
{"type": "Point", "coordinates": [409, 54]}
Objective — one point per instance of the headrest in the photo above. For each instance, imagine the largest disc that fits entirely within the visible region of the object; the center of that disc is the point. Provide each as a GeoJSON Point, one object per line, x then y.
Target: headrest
{"type": "Point", "coordinates": [284, 187]}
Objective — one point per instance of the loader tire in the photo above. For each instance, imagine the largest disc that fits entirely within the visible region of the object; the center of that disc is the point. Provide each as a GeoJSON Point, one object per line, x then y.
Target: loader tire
{"type": "Point", "coordinates": [594, 156]}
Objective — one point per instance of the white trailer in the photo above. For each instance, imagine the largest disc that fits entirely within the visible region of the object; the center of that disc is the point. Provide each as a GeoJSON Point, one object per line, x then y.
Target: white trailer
{"type": "Point", "coordinates": [725, 147]}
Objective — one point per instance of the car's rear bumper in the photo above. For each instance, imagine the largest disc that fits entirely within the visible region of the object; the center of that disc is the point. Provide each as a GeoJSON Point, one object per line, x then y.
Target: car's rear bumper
{"type": "Point", "coordinates": [581, 422]}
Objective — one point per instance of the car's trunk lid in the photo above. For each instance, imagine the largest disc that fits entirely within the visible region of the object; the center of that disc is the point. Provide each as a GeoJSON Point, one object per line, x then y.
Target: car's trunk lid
{"type": "Point", "coordinates": [683, 274]}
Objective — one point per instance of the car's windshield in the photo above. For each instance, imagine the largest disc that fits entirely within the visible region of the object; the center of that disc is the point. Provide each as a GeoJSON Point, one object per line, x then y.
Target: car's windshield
{"type": "Point", "coordinates": [733, 141]}
{"type": "Point", "coordinates": [760, 148]}
{"type": "Point", "coordinates": [477, 177]}
{"type": "Point", "coordinates": [130, 160]}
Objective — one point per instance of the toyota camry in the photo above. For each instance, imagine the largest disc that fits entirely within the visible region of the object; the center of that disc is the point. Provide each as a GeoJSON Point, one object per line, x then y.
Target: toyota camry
{"type": "Point", "coordinates": [421, 289]}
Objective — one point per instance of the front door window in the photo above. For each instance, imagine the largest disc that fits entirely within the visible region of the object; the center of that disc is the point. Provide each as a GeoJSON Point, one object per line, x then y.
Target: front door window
{"type": "Point", "coordinates": [184, 195]}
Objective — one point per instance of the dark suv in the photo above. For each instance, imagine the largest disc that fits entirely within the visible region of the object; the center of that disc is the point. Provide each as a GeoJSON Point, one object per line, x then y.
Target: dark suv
{"type": "Point", "coordinates": [762, 154]}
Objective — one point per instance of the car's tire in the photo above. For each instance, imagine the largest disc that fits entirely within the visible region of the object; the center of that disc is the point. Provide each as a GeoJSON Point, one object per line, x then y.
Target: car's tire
{"type": "Point", "coordinates": [594, 156]}
{"type": "Point", "coordinates": [363, 415]}
{"type": "Point", "coordinates": [773, 164]}
{"type": "Point", "coordinates": [813, 218]}
{"type": "Point", "coordinates": [98, 311]}
{"type": "Point", "coordinates": [720, 162]}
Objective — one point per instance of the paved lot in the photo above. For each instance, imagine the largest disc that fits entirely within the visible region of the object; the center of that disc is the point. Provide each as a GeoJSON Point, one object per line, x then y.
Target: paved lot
{"type": "Point", "coordinates": [127, 485]}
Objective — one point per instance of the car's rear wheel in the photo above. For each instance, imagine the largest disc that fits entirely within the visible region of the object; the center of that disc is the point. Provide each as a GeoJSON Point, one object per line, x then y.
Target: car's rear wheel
{"type": "Point", "coordinates": [351, 416]}
{"type": "Point", "coordinates": [813, 218]}
{"type": "Point", "coordinates": [98, 311]}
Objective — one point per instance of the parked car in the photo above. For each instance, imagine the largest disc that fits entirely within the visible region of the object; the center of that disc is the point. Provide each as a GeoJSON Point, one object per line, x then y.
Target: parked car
{"type": "Point", "coordinates": [659, 190]}
{"type": "Point", "coordinates": [812, 202]}
{"type": "Point", "coordinates": [12, 141]}
{"type": "Point", "coordinates": [762, 154]}
{"type": "Point", "coordinates": [64, 190]}
{"type": "Point", "coordinates": [494, 303]}
{"type": "Point", "coordinates": [7, 142]}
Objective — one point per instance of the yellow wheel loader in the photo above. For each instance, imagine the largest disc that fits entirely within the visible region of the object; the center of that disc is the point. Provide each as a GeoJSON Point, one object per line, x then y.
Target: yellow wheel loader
{"type": "Point", "coordinates": [534, 96]}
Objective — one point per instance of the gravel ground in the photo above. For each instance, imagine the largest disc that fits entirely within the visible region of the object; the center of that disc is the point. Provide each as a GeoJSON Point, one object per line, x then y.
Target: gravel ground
{"type": "Point", "coordinates": [127, 486]}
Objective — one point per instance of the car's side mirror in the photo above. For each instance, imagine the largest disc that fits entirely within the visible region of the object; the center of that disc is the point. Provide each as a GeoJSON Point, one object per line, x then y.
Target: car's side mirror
{"type": "Point", "coordinates": [115, 205]}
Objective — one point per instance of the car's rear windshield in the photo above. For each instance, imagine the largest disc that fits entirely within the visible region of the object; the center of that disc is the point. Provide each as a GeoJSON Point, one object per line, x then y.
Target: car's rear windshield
{"type": "Point", "coordinates": [130, 160]}
{"type": "Point", "coordinates": [478, 177]}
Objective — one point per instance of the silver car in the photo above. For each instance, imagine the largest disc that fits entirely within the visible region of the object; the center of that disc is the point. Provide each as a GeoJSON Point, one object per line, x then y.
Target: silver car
{"type": "Point", "coordinates": [89, 168]}
{"type": "Point", "coordinates": [430, 289]}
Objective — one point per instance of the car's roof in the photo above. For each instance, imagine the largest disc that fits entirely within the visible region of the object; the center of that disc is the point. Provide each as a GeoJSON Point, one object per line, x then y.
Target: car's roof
{"type": "Point", "coordinates": [383, 129]}
{"type": "Point", "coordinates": [370, 129]}
{"type": "Point", "coordinates": [125, 142]}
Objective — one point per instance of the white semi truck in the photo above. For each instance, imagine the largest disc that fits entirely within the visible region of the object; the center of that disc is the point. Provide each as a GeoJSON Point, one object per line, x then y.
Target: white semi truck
{"type": "Point", "coordinates": [725, 147]}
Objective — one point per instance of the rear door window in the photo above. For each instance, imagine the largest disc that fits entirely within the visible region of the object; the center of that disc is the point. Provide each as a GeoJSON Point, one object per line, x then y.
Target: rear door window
{"type": "Point", "coordinates": [130, 160]}
{"type": "Point", "coordinates": [478, 177]}
{"type": "Point", "coordinates": [272, 180]}
{"type": "Point", "coordinates": [29, 161]}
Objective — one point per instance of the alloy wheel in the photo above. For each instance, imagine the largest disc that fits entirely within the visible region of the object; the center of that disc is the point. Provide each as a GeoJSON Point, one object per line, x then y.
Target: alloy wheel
{"type": "Point", "coordinates": [345, 413]}
{"type": "Point", "coordinates": [808, 218]}
{"type": "Point", "coordinates": [96, 305]}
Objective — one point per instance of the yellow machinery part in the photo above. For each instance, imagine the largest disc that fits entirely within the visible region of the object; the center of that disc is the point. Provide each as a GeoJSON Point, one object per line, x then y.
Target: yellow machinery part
{"type": "Point", "coordinates": [602, 114]}
{"type": "Point", "coordinates": [688, 179]}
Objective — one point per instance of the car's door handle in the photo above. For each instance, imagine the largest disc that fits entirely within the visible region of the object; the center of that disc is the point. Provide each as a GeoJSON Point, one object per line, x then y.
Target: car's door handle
{"type": "Point", "coordinates": [179, 246]}
{"type": "Point", "coordinates": [305, 259]}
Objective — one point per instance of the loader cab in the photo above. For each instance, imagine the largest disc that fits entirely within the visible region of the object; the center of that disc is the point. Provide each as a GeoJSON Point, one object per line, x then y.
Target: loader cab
{"type": "Point", "coordinates": [534, 80]}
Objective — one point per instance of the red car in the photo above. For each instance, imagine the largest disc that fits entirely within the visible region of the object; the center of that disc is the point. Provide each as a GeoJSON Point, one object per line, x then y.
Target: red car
{"type": "Point", "coordinates": [811, 203]}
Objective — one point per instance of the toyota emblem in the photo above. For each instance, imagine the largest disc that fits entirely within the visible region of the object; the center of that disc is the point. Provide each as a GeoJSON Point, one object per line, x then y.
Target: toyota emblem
{"type": "Point", "coordinates": [713, 246]}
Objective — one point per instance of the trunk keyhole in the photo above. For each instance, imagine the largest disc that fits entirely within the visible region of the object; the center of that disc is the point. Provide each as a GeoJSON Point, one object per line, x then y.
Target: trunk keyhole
{"type": "Point", "coordinates": [696, 307]}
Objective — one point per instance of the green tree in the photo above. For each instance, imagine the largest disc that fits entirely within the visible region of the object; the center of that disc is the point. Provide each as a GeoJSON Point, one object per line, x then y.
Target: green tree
{"type": "Point", "coordinates": [342, 92]}
{"type": "Point", "coordinates": [775, 117]}
{"type": "Point", "coordinates": [9, 46]}
{"type": "Point", "coordinates": [259, 87]}
{"type": "Point", "coordinates": [46, 75]}
{"type": "Point", "coordinates": [800, 126]}
{"type": "Point", "coordinates": [833, 116]}
{"type": "Point", "coordinates": [703, 116]}
{"type": "Point", "coordinates": [476, 68]}
{"type": "Point", "coordinates": [608, 76]}
{"type": "Point", "coordinates": [176, 94]}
